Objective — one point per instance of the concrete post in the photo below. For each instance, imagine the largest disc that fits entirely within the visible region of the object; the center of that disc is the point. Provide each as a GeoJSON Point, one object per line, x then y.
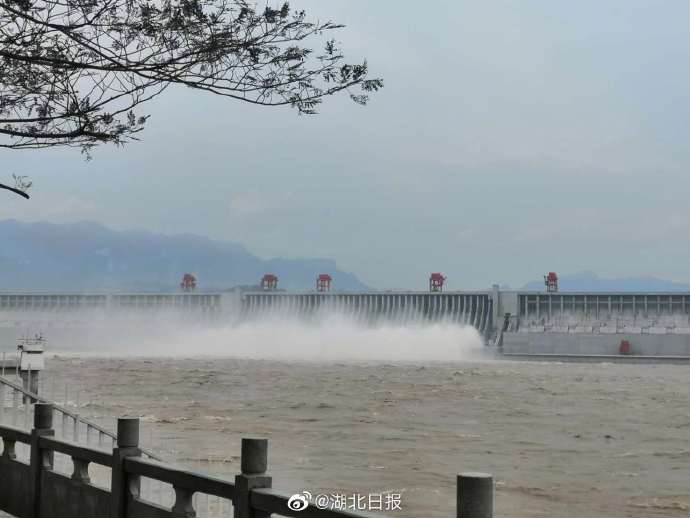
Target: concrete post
{"type": "Point", "coordinates": [184, 503]}
{"type": "Point", "coordinates": [124, 486]}
{"type": "Point", "coordinates": [475, 495]}
{"type": "Point", "coordinates": [2, 395]}
{"type": "Point", "coordinates": [40, 460]}
{"type": "Point", "coordinates": [254, 463]}
{"type": "Point", "coordinates": [30, 380]}
{"type": "Point", "coordinates": [497, 310]}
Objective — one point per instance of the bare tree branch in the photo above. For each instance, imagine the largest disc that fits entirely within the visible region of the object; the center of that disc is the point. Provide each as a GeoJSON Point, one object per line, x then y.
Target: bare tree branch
{"type": "Point", "coordinates": [14, 190]}
{"type": "Point", "coordinates": [76, 72]}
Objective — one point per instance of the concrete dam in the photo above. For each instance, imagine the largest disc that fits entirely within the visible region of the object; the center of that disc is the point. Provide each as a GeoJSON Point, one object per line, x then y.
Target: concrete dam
{"type": "Point", "coordinates": [516, 322]}
{"type": "Point", "coordinates": [473, 309]}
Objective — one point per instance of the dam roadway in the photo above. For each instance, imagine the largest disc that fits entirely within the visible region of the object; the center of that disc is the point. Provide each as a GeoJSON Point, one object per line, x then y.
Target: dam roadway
{"type": "Point", "coordinates": [521, 322]}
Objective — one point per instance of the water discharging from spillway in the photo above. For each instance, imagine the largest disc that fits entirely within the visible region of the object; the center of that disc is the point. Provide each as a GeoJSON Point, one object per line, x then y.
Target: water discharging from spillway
{"type": "Point", "coordinates": [323, 336]}
{"type": "Point", "coordinates": [473, 309]}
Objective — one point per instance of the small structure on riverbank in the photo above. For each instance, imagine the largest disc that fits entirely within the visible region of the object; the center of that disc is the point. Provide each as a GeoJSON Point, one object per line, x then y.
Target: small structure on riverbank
{"type": "Point", "coordinates": [28, 363]}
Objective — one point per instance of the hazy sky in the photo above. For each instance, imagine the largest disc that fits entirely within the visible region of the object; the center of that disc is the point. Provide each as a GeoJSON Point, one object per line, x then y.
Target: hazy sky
{"type": "Point", "coordinates": [512, 138]}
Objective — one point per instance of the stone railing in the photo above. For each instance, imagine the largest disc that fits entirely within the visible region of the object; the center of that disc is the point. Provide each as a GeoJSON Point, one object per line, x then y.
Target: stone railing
{"type": "Point", "coordinates": [34, 489]}
{"type": "Point", "coordinates": [16, 407]}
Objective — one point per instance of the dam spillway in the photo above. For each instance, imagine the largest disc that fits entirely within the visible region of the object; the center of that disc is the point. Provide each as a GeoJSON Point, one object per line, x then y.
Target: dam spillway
{"type": "Point", "coordinates": [465, 308]}
{"type": "Point", "coordinates": [520, 322]}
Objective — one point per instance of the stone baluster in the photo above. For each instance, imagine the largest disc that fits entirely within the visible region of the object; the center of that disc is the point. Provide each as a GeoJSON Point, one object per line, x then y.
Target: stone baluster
{"type": "Point", "coordinates": [41, 460]}
{"type": "Point", "coordinates": [254, 463]}
{"type": "Point", "coordinates": [124, 486]}
{"type": "Point", "coordinates": [475, 495]}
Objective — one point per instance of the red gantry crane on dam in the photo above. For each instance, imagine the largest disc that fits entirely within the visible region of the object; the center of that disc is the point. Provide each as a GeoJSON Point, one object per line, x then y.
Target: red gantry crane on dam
{"type": "Point", "coordinates": [188, 282]}
{"type": "Point", "coordinates": [269, 282]}
{"type": "Point", "coordinates": [436, 281]}
{"type": "Point", "coordinates": [323, 282]}
{"type": "Point", "coordinates": [551, 282]}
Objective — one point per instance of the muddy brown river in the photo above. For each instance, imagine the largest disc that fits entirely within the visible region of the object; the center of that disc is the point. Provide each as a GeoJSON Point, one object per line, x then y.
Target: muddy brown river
{"type": "Point", "coordinates": [562, 440]}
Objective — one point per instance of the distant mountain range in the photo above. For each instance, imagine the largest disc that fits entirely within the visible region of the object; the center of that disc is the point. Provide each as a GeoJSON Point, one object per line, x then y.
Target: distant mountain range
{"type": "Point", "coordinates": [86, 256]}
{"type": "Point", "coordinates": [589, 281]}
